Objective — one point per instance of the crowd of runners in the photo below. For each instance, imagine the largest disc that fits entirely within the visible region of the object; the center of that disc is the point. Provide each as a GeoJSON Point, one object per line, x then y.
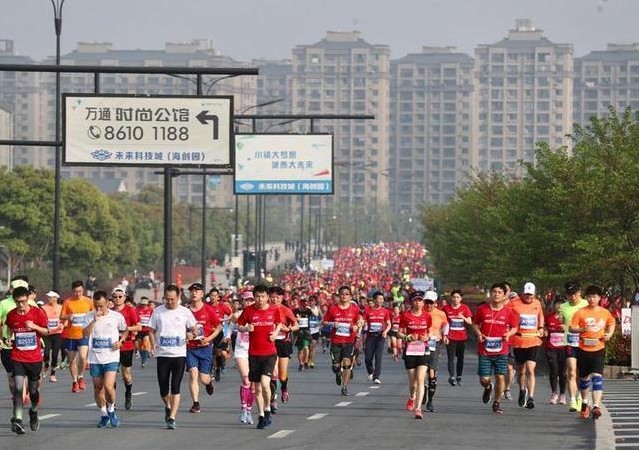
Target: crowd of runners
{"type": "Point", "coordinates": [362, 309]}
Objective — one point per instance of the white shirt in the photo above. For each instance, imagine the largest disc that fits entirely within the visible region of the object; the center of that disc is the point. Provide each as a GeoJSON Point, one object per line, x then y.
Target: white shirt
{"type": "Point", "coordinates": [170, 327]}
{"type": "Point", "coordinates": [105, 333]}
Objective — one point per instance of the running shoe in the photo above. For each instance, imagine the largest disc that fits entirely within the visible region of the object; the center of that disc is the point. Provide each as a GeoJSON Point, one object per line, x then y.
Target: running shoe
{"type": "Point", "coordinates": [596, 413]}
{"type": "Point", "coordinates": [273, 406]}
{"type": "Point", "coordinates": [127, 401]}
{"type": "Point", "coordinates": [377, 381]}
{"type": "Point", "coordinates": [452, 381]}
{"type": "Point", "coordinates": [170, 424]}
{"type": "Point", "coordinates": [81, 384]}
{"type": "Point", "coordinates": [579, 402]}
{"type": "Point", "coordinates": [13, 425]}
{"type": "Point", "coordinates": [497, 408]}
{"type": "Point", "coordinates": [167, 414]}
{"type": "Point", "coordinates": [17, 427]}
{"type": "Point", "coordinates": [52, 379]}
{"type": "Point", "coordinates": [300, 367]}
{"type": "Point", "coordinates": [459, 381]}
{"type": "Point", "coordinates": [521, 400]}
{"type": "Point", "coordinates": [418, 414]}
{"type": "Point", "coordinates": [34, 421]}
{"type": "Point", "coordinates": [344, 391]}
{"type": "Point", "coordinates": [74, 387]}
{"type": "Point", "coordinates": [430, 407]}
{"type": "Point", "coordinates": [508, 395]}
{"type": "Point", "coordinates": [268, 418]}
{"type": "Point", "coordinates": [530, 404]}
{"type": "Point", "coordinates": [562, 399]}
{"type": "Point", "coordinates": [261, 424]}
{"type": "Point", "coordinates": [338, 378]}
{"type": "Point", "coordinates": [285, 396]}
{"type": "Point", "coordinates": [584, 413]}
{"type": "Point", "coordinates": [242, 417]}
{"type": "Point", "coordinates": [573, 405]}
{"type": "Point", "coordinates": [195, 409]}
{"type": "Point", "coordinates": [306, 366]}
{"type": "Point", "coordinates": [485, 397]}
{"type": "Point", "coordinates": [370, 377]}
{"type": "Point", "coordinates": [554, 398]}
{"type": "Point", "coordinates": [310, 364]}
{"type": "Point", "coordinates": [104, 421]}
{"type": "Point", "coordinates": [209, 388]}
{"type": "Point", "coordinates": [249, 418]}
{"type": "Point", "coordinates": [218, 375]}
{"type": "Point", "coordinates": [410, 404]}
{"type": "Point", "coordinates": [114, 419]}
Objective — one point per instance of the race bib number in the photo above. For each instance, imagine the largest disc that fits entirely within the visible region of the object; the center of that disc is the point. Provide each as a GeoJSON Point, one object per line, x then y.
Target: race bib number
{"type": "Point", "coordinates": [493, 344]}
{"type": "Point", "coordinates": [145, 320]}
{"type": "Point", "coordinates": [244, 338]}
{"type": "Point", "coordinates": [457, 324]}
{"type": "Point", "coordinates": [79, 320]}
{"type": "Point", "coordinates": [170, 341]}
{"type": "Point", "coordinates": [26, 341]}
{"type": "Point", "coordinates": [101, 344]}
{"type": "Point", "coordinates": [573, 339]}
{"type": "Point", "coordinates": [375, 327]}
{"type": "Point", "coordinates": [200, 329]}
{"type": "Point", "coordinates": [416, 348]}
{"type": "Point", "coordinates": [556, 339]}
{"type": "Point", "coordinates": [342, 329]}
{"type": "Point", "coordinates": [303, 321]}
{"type": "Point", "coordinates": [52, 323]}
{"type": "Point", "coordinates": [527, 322]}
{"type": "Point", "coordinates": [590, 342]}
{"type": "Point", "coordinates": [432, 344]}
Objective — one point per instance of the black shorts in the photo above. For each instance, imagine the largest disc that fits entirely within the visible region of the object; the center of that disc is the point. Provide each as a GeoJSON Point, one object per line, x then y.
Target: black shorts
{"type": "Point", "coordinates": [126, 358]}
{"type": "Point", "coordinates": [412, 362]}
{"type": "Point", "coordinates": [339, 352]}
{"type": "Point", "coordinates": [316, 336]}
{"type": "Point", "coordinates": [571, 352]}
{"type": "Point", "coordinates": [525, 354]}
{"type": "Point", "coordinates": [432, 359]}
{"type": "Point", "coordinates": [141, 335]}
{"type": "Point", "coordinates": [392, 333]}
{"type": "Point", "coordinates": [590, 362]}
{"type": "Point", "coordinates": [284, 348]}
{"type": "Point", "coordinates": [261, 366]}
{"type": "Point", "coordinates": [30, 370]}
{"type": "Point", "coordinates": [7, 362]}
{"type": "Point", "coordinates": [219, 343]}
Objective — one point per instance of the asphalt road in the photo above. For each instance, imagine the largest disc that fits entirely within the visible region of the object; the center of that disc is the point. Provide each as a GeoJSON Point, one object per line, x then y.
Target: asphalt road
{"type": "Point", "coordinates": [372, 417]}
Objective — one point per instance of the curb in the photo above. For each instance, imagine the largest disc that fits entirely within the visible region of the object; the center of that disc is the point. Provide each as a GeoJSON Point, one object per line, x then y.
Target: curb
{"type": "Point", "coordinates": [604, 431]}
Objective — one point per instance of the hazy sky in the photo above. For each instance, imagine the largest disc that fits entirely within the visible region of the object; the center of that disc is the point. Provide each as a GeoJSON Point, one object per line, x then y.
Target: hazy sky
{"type": "Point", "coordinates": [246, 29]}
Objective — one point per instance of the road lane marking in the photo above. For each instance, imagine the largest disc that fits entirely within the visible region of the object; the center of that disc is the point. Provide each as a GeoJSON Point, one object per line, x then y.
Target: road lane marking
{"type": "Point", "coordinates": [317, 416]}
{"type": "Point", "coordinates": [374, 387]}
{"type": "Point", "coordinates": [139, 393]}
{"type": "Point", "coordinates": [361, 394]}
{"type": "Point", "coordinates": [343, 403]}
{"type": "Point", "coordinates": [281, 434]}
{"type": "Point", "coordinates": [49, 416]}
{"type": "Point", "coordinates": [90, 404]}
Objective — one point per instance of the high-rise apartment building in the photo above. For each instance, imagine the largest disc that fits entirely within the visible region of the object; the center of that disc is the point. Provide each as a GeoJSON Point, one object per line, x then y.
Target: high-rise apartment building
{"type": "Point", "coordinates": [344, 74]}
{"type": "Point", "coordinates": [606, 78]}
{"type": "Point", "coordinates": [525, 96]}
{"type": "Point", "coordinates": [6, 132]}
{"type": "Point", "coordinates": [432, 141]}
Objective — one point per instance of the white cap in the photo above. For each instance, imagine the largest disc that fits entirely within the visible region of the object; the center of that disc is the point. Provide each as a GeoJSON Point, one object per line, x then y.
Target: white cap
{"type": "Point", "coordinates": [19, 283]}
{"type": "Point", "coordinates": [529, 288]}
{"type": "Point", "coordinates": [431, 296]}
{"type": "Point", "coordinates": [52, 294]}
{"type": "Point", "coordinates": [116, 289]}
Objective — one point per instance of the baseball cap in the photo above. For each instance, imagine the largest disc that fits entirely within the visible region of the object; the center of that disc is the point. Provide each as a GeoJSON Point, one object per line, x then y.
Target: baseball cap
{"type": "Point", "coordinates": [572, 287]}
{"type": "Point", "coordinates": [431, 296]}
{"type": "Point", "coordinates": [40, 303]}
{"type": "Point", "coordinates": [197, 286]}
{"type": "Point", "coordinates": [416, 295]}
{"type": "Point", "coordinates": [117, 289]}
{"type": "Point", "coordinates": [19, 283]}
{"type": "Point", "coordinates": [52, 294]}
{"type": "Point", "coordinates": [144, 301]}
{"type": "Point", "coordinates": [247, 295]}
{"type": "Point", "coordinates": [529, 288]}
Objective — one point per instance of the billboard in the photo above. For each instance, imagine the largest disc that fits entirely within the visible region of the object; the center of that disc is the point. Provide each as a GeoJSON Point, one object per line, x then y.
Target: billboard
{"type": "Point", "coordinates": [128, 130]}
{"type": "Point", "coordinates": [283, 164]}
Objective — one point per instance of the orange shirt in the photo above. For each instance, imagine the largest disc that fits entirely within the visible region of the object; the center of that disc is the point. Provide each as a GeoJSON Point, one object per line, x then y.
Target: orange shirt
{"type": "Point", "coordinates": [77, 310]}
{"type": "Point", "coordinates": [53, 315]}
{"type": "Point", "coordinates": [594, 321]}
{"type": "Point", "coordinates": [439, 321]}
{"type": "Point", "coordinates": [531, 318]}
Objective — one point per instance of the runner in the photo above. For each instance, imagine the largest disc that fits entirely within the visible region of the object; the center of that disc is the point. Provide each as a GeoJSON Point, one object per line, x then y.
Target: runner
{"type": "Point", "coordinates": [595, 326]}
{"type": "Point", "coordinates": [221, 342]}
{"type": "Point", "coordinates": [127, 348]}
{"type": "Point", "coordinates": [304, 337]}
{"type": "Point", "coordinates": [510, 376]}
{"type": "Point", "coordinates": [494, 325]}
{"type": "Point", "coordinates": [170, 326]}
{"type": "Point", "coordinates": [314, 325]}
{"type": "Point", "coordinates": [145, 310]}
{"type": "Point", "coordinates": [199, 350]}
{"type": "Point", "coordinates": [262, 321]}
{"type": "Point", "coordinates": [53, 341]}
{"type": "Point", "coordinates": [395, 342]}
{"type": "Point", "coordinates": [568, 309]}
{"type": "Point", "coordinates": [74, 311]}
{"type": "Point", "coordinates": [413, 329]}
{"type": "Point", "coordinates": [437, 337]}
{"type": "Point", "coordinates": [28, 324]}
{"type": "Point", "coordinates": [241, 356]}
{"type": "Point", "coordinates": [378, 324]}
{"type": "Point", "coordinates": [526, 342]}
{"type": "Point", "coordinates": [556, 354]}
{"type": "Point", "coordinates": [459, 316]}
{"type": "Point", "coordinates": [283, 344]}
{"type": "Point", "coordinates": [345, 321]}
{"type": "Point", "coordinates": [103, 332]}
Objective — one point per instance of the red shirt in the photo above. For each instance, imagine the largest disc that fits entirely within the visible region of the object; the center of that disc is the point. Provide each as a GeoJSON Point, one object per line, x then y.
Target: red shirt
{"type": "Point", "coordinates": [132, 319]}
{"type": "Point", "coordinates": [413, 324]}
{"type": "Point", "coordinates": [144, 312]}
{"type": "Point", "coordinates": [207, 321]}
{"type": "Point", "coordinates": [494, 324]}
{"type": "Point", "coordinates": [376, 319]}
{"type": "Point", "coordinates": [456, 324]}
{"type": "Point", "coordinates": [555, 328]}
{"type": "Point", "coordinates": [264, 321]}
{"type": "Point", "coordinates": [222, 309]}
{"type": "Point", "coordinates": [26, 345]}
{"type": "Point", "coordinates": [288, 319]}
{"type": "Point", "coordinates": [344, 320]}
{"type": "Point", "coordinates": [395, 322]}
